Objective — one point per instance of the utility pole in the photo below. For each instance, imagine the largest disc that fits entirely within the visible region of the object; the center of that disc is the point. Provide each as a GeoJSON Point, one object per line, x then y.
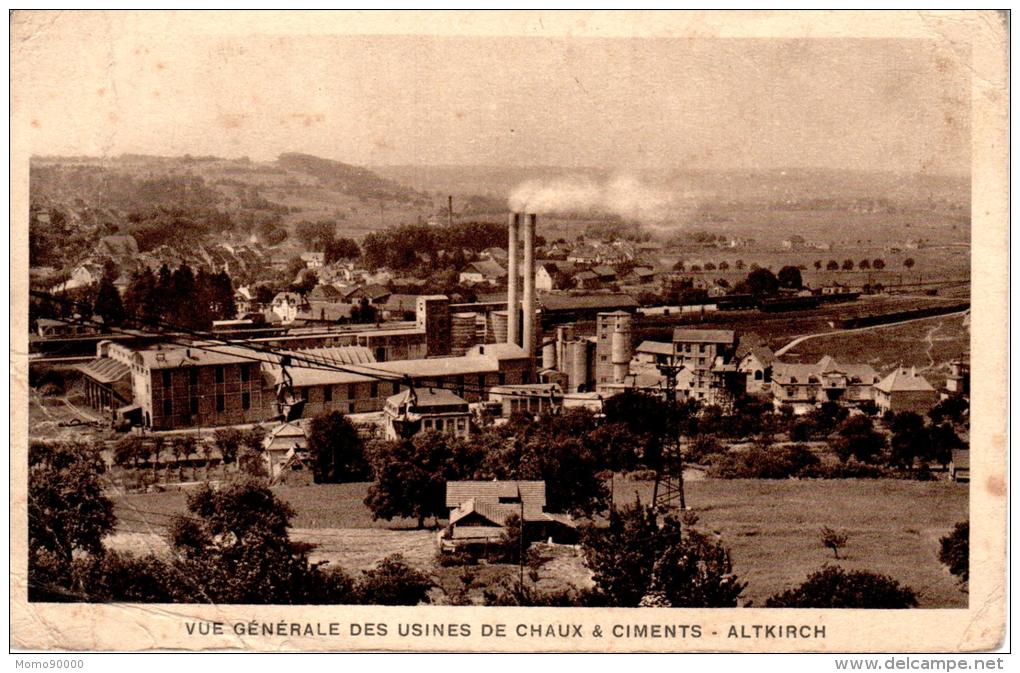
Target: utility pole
{"type": "Point", "coordinates": [669, 488]}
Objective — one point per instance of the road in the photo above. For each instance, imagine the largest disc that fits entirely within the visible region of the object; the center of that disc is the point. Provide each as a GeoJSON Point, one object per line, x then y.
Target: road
{"type": "Point", "coordinates": [801, 339]}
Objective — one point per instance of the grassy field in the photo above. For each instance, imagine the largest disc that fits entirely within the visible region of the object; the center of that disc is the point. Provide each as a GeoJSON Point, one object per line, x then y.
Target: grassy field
{"type": "Point", "coordinates": [926, 344]}
{"type": "Point", "coordinates": [771, 527]}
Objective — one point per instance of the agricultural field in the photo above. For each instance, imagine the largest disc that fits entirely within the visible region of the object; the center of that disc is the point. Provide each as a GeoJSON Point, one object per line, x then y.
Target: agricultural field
{"type": "Point", "coordinates": [893, 527]}
{"type": "Point", "coordinates": [928, 344]}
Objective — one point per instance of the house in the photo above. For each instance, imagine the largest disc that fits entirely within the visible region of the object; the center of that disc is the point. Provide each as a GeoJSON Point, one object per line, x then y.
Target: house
{"type": "Point", "coordinates": [313, 260]}
{"type": "Point", "coordinates": [709, 355]}
{"type": "Point", "coordinates": [325, 292]}
{"type": "Point", "coordinates": [804, 386]}
{"type": "Point", "coordinates": [498, 255]}
{"type": "Point", "coordinates": [415, 410]}
{"type": "Point", "coordinates": [795, 242]}
{"type": "Point", "coordinates": [905, 390]}
{"type": "Point", "coordinates": [654, 352]}
{"type": "Point", "coordinates": [50, 328]}
{"type": "Point", "coordinates": [754, 359]}
{"type": "Point", "coordinates": [373, 293]}
{"type": "Point", "coordinates": [244, 300]}
{"type": "Point", "coordinates": [479, 511]}
{"type": "Point", "coordinates": [483, 271]}
{"type": "Point", "coordinates": [642, 275]}
{"type": "Point", "coordinates": [545, 277]}
{"type": "Point", "coordinates": [537, 398]}
{"type": "Point", "coordinates": [324, 312]}
{"type": "Point", "coordinates": [83, 275]}
{"type": "Point", "coordinates": [116, 246]}
{"type": "Point", "coordinates": [605, 273]}
{"type": "Point", "coordinates": [287, 305]}
{"type": "Point", "coordinates": [285, 449]}
{"type": "Point", "coordinates": [958, 381]}
{"type": "Point", "coordinates": [587, 280]}
{"type": "Point", "coordinates": [959, 465]}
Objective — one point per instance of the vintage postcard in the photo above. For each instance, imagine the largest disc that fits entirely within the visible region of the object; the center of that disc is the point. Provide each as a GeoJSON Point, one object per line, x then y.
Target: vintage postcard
{"type": "Point", "coordinates": [511, 331]}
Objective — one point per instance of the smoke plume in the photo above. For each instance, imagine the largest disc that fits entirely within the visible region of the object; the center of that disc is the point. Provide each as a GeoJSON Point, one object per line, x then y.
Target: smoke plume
{"type": "Point", "coordinates": [623, 195]}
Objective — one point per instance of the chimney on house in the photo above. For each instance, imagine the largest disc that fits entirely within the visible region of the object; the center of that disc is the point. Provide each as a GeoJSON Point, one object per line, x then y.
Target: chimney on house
{"type": "Point", "coordinates": [512, 309]}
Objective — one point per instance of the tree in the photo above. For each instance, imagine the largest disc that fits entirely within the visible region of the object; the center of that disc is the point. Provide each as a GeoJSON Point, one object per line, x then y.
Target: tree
{"type": "Point", "coordinates": [827, 417]}
{"type": "Point", "coordinates": [954, 551]}
{"type": "Point", "coordinates": [337, 450]}
{"type": "Point", "coordinates": [67, 511]}
{"type": "Point", "coordinates": [833, 540]}
{"type": "Point", "coordinates": [878, 264]}
{"type": "Point", "coordinates": [108, 303]}
{"type": "Point", "coordinates": [942, 440]}
{"type": "Point", "coordinates": [341, 248]}
{"type": "Point", "coordinates": [709, 266]}
{"type": "Point", "coordinates": [818, 265]}
{"type": "Point", "coordinates": [739, 265]}
{"type": "Point", "coordinates": [833, 587]}
{"type": "Point", "coordinates": [953, 409]}
{"type": "Point", "coordinates": [634, 560]}
{"type": "Point", "coordinates": [832, 265]}
{"type": "Point", "coordinates": [760, 282]}
{"type": "Point", "coordinates": [411, 475]}
{"type": "Point", "coordinates": [789, 277]}
{"type": "Point", "coordinates": [864, 264]}
{"type": "Point", "coordinates": [724, 265]}
{"type": "Point", "coordinates": [228, 443]}
{"type": "Point", "coordinates": [910, 440]}
{"type": "Point", "coordinates": [233, 547]}
{"type": "Point", "coordinates": [848, 265]}
{"type": "Point", "coordinates": [857, 438]}
{"type": "Point", "coordinates": [909, 263]}
{"type": "Point", "coordinates": [393, 582]}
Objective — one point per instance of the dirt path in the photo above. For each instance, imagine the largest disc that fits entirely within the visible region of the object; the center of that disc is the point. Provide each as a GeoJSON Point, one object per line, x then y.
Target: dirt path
{"type": "Point", "coordinates": [801, 339]}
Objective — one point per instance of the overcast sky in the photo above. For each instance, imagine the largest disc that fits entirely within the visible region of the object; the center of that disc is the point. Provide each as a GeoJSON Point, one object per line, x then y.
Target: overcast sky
{"type": "Point", "coordinates": [898, 105]}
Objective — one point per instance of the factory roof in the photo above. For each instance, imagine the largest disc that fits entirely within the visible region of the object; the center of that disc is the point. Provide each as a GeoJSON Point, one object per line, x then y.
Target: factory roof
{"type": "Point", "coordinates": [715, 336]}
{"type": "Point", "coordinates": [427, 398]}
{"type": "Point", "coordinates": [655, 347]}
{"type": "Point", "coordinates": [474, 362]}
{"type": "Point", "coordinates": [209, 354]}
{"type": "Point", "coordinates": [574, 302]}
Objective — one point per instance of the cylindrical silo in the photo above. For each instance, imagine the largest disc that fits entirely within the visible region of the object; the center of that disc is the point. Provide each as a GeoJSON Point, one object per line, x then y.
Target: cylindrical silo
{"type": "Point", "coordinates": [621, 351]}
{"type": "Point", "coordinates": [498, 325]}
{"type": "Point", "coordinates": [579, 365]}
{"type": "Point", "coordinates": [549, 355]}
{"type": "Point", "coordinates": [462, 332]}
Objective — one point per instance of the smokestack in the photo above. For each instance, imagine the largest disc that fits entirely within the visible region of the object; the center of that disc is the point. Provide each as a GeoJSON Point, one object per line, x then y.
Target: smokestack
{"type": "Point", "coordinates": [528, 342]}
{"type": "Point", "coordinates": [449, 209]}
{"type": "Point", "coordinates": [513, 311]}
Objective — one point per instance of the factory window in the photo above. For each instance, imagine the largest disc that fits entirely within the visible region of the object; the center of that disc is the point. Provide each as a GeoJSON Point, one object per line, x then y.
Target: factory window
{"type": "Point", "coordinates": [304, 394]}
{"type": "Point", "coordinates": [327, 394]}
{"type": "Point", "coordinates": [527, 377]}
{"type": "Point", "coordinates": [246, 400]}
{"type": "Point", "coordinates": [193, 376]}
{"type": "Point", "coordinates": [193, 403]}
{"type": "Point", "coordinates": [380, 354]}
{"type": "Point", "coordinates": [374, 391]}
{"type": "Point", "coordinates": [219, 374]}
{"type": "Point", "coordinates": [758, 375]}
{"type": "Point", "coordinates": [168, 407]}
{"type": "Point", "coordinates": [481, 380]}
{"type": "Point", "coordinates": [396, 388]}
{"type": "Point", "coordinates": [352, 391]}
{"type": "Point", "coordinates": [501, 378]}
{"type": "Point", "coordinates": [221, 402]}
{"type": "Point", "coordinates": [166, 378]}
{"type": "Point", "coordinates": [603, 358]}
{"type": "Point", "coordinates": [245, 373]}
{"type": "Point", "coordinates": [350, 407]}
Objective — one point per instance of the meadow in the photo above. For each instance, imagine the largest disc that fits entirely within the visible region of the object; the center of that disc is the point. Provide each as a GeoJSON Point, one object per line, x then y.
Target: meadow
{"type": "Point", "coordinates": [772, 528]}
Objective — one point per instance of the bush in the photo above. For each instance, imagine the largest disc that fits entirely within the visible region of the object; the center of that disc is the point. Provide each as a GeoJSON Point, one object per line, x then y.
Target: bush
{"type": "Point", "coordinates": [954, 551]}
{"type": "Point", "coordinates": [833, 587]}
{"type": "Point", "coordinates": [776, 462]}
{"type": "Point", "coordinates": [453, 559]}
{"type": "Point", "coordinates": [393, 582]}
{"type": "Point", "coordinates": [702, 448]}
{"type": "Point", "coordinates": [851, 469]}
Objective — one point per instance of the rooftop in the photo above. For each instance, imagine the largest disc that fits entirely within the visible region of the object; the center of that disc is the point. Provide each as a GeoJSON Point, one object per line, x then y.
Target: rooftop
{"type": "Point", "coordinates": [715, 336]}
{"type": "Point", "coordinates": [904, 380]}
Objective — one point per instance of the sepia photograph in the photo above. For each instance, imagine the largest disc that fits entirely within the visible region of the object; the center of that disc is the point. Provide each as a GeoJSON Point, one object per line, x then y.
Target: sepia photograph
{"type": "Point", "coordinates": [454, 312]}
